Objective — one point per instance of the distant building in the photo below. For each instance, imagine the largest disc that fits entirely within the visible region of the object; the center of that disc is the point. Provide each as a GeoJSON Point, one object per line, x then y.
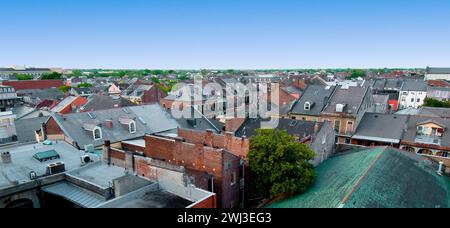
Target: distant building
{"type": "Point", "coordinates": [439, 93]}
{"type": "Point", "coordinates": [6, 73]}
{"type": "Point", "coordinates": [8, 97]}
{"type": "Point", "coordinates": [8, 131]}
{"type": "Point", "coordinates": [70, 104]}
{"type": "Point", "coordinates": [437, 74]}
{"type": "Point", "coordinates": [312, 102]}
{"type": "Point", "coordinates": [320, 137]}
{"type": "Point", "coordinates": [413, 94]}
{"type": "Point", "coordinates": [34, 84]}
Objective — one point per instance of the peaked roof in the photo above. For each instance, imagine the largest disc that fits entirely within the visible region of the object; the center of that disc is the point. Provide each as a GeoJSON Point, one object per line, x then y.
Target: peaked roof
{"type": "Point", "coordinates": [150, 119]}
{"type": "Point", "coordinates": [374, 178]}
{"type": "Point", "coordinates": [316, 94]}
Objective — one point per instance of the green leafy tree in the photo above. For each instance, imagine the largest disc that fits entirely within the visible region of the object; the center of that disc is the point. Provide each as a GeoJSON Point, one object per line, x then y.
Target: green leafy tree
{"type": "Point", "coordinates": [65, 89]}
{"type": "Point", "coordinates": [430, 102]}
{"type": "Point", "coordinates": [279, 165]}
{"type": "Point", "coordinates": [23, 77]}
{"type": "Point", "coordinates": [51, 76]}
{"type": "Point", "coordinates": [85, 85]}
{"type": "Point", "coordinates": [358, 74]}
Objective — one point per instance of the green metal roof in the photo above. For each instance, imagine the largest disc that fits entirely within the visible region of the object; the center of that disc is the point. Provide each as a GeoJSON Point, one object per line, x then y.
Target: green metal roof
{"type": "Point", "coordinates": [374, 178]}
{"type": "Point", "coordinates": [46, 155]}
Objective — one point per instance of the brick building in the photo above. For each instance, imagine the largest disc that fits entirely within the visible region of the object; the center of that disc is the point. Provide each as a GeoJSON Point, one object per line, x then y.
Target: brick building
{"type": "Point", "coordinates": [212, 162]}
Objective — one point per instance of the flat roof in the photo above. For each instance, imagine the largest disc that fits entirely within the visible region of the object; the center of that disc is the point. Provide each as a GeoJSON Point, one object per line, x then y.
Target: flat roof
{"type": "Point", "coordinates": [23, 162]}
{"type": "Point", "coordinates": [99, 174]}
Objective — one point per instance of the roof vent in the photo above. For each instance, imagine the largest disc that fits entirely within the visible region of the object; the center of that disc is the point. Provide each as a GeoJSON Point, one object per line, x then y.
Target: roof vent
{"type": "Point", "coordinates": [92, 115]}
{"type": "Point", "coordinates": [6, 158]}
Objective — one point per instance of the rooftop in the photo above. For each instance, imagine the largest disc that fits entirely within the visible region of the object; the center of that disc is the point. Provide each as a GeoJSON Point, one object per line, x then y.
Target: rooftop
{"type": "Point", "coordinates": [435, 70]}
{"type": "Point", "coordinates": [381, 127]}
{"type": "Point", "coordinates": [317, 95]}
{"type": "Point", "coordinates": [23, 162]}
{"type": "Point", "coordinates": [298, 128]}
{"type": "Point", "coordinates": [414, 85]}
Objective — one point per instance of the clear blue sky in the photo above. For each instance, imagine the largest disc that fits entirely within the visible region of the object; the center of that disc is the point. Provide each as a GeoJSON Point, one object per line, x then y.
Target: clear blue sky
{"type": "Point", "coordinates": [223, 34]}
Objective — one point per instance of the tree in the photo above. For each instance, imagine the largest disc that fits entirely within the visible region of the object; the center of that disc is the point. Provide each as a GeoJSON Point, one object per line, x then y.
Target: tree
{"type": "Point", "coordinates": [23, 77]}
{"type": "Point", "coordinates": [51, 76]}
{"type": "Point", "coordinates": [430, 102]}
{"type": "Point", "coordinates": [85, 85]}
{"type": "Point", "coordinates": [65, 89]}
{"type": "Point", "coordinates": [358, 74]}
{"type": "Point", "coordinates": [279, 165]}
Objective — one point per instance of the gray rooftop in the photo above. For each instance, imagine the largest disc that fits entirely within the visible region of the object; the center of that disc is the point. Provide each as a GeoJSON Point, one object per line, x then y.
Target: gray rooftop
{"type": "Point", "coordinates": [100, 102]}
{"type": "Point", "coordinates": [316, 94]}
{"type": "Point", "coordinates": [411, 132]}
{"type": "Point", "coordinates": [75, 194]}
{"type": "Point", "coordinates": [293, 127]}
{"type": "Point", "coordinates": [150, 119]}
{"type": "Point", "coordinates": [426, 112]}
{"type": "Point", "coordinates": [351, 97]}
{"type": "Point", "coordinates": [23, 162]}
{"type": "Point", "coordinates": [434, 70]}
{"type": "Point", "coordinates": [381, 127]}
{"type": "Point", "coordinates": [414, 85]}
{"type": "Point", "coordinates": [26, 128]}
{"type": "Point", "coordinates": [98, 174]}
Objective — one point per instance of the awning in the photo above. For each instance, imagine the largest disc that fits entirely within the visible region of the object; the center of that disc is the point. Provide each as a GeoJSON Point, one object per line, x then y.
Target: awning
{"type": "Point", "coordinates": [376, 139]}
{"type": "Point", "coordinates": [75, 194]}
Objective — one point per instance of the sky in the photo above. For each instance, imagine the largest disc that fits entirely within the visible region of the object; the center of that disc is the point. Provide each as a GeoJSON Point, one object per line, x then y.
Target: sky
{"type": "Point", "coordinates": [225, 34]}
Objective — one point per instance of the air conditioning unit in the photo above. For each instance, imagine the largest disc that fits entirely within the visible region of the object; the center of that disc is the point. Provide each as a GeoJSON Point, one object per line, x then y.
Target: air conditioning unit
{"type": "Point", "coordinates": [85, 159]}
{"type": "Point", "coordinates": [56, 168]}
{"type": "Point", "coordinates": [89, 148]}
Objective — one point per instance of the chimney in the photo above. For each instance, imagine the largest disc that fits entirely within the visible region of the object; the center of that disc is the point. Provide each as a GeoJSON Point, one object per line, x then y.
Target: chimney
{"type": "Point", "coordinates": [109, 124]}
{"type": "Point", "coordinates": [6, 158]}
{"type": "Point", "coordinates": [441, 167]}
{"type": "Point", "coordinates": [316, 128]}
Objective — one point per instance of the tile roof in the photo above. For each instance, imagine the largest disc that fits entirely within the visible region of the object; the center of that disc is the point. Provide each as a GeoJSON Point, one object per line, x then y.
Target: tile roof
{"type": "Point", "coordinates": [374, 178]}
{"type": "Point", "coordinates": [35, 84]}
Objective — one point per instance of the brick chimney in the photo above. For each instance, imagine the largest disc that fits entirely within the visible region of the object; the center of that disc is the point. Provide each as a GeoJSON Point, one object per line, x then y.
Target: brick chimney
{"type": "Point", "coordinates": [209, 138]}
{"type": "Point", "coordinates": [316, 128]}
{"type": "Point", "coordinates": [109, 124]}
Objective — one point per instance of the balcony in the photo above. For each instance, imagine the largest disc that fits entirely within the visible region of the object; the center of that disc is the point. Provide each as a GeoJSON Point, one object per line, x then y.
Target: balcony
{"type": "Point", "coordinates": [431, 140]}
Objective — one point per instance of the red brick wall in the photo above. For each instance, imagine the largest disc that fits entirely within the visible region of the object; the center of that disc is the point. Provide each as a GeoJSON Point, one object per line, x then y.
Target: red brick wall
{"type": "Point", "coordinates": [200, 158]}
{"type": "Point", "coordinates": [52, 128]}
{"type": "Point", "coordinates": [35, 84]}
{"type": "Point", "coordinates": [153, 95]}
{"type": "Point", "coordinates": [237, 146]}
{"type": "Point", "coordinates": [208, 203]}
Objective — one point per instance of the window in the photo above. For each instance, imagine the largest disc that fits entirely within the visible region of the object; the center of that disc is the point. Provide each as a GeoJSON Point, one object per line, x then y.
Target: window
{"type": "Point", "coordinates": [418, 100]}
{"type": "Point", "coordinates": [97, 134]}
{"type": "Point", "coordinates": [337, 125]}
{"type": "Point", "coordinates": [412, 99]}
{"type": "Point", "coordinates": [307, 106]}
{"type": "Point", "coordinates": [132, 127]}
{"type": "Point", "coordinates": [348, 141]}
{"type": "Point", "coordinates": [233, 180]}
{"type": "Point", "coordinates": [420, 129]}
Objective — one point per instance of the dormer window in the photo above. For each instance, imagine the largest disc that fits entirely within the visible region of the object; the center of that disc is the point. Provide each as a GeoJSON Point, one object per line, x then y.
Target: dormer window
{"type": "Point", "coordinates": [132, 127]}
{"type": "Point", "coordinates": [308, 106]}
{"type": "Point", "coordinates": [97, 134]}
